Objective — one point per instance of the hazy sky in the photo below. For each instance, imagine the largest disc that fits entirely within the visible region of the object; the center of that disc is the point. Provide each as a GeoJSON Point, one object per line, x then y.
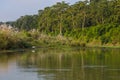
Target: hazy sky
{"type": "Point", "coordinates": [10, 10]}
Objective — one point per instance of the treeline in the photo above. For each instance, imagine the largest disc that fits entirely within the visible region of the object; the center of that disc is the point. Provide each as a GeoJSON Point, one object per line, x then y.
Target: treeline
{"type": "Point", "coordinates": [70, 17]}
{"type": "Point", "coordinates": [94, 22]}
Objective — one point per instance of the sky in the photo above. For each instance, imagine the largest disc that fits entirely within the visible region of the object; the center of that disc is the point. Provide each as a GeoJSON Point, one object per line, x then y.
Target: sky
{"type": "Point", "coordinates": [10, 10]}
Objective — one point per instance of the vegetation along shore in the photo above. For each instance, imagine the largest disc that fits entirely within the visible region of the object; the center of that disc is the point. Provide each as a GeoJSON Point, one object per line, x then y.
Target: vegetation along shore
{"type": "Point", "coordinates": [94, 23]}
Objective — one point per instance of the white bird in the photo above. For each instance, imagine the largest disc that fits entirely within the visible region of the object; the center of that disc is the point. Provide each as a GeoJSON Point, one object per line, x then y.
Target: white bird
{"type": "Point", "coordinates": [33, 51]}
{"type": "Point", "coordinates": [33, 47]}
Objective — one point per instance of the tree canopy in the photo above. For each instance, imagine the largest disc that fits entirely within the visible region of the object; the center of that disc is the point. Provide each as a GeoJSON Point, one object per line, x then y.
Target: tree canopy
{"type": "Point", "coordinates": [84, 20]}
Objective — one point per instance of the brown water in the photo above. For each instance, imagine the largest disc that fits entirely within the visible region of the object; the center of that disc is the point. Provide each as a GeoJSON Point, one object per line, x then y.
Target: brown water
{"type": "Point", "coordinates": [55, 64]}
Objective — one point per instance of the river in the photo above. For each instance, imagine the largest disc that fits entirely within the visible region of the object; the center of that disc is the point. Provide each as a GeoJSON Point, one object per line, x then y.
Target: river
{"type": "Point", "coordinates": [61, 64]}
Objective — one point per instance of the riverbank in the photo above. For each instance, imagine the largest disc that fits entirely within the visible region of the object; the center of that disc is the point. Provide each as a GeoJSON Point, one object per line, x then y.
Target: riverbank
{"type": "Point", "coordinates": [22, 40]}
{"type": "Point", "coordinates": [89, 37]}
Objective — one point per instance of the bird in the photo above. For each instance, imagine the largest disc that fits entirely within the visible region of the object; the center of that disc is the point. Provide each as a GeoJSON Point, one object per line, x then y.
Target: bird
{"type": "Point", "coordinates": [33, 51]}
{"type": "Point", "coordinates": [33, 47]}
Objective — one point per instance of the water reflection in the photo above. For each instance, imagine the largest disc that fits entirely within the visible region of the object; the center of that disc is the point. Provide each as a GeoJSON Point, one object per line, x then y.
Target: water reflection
{"type": "Point", "coordinates": [55, 64]}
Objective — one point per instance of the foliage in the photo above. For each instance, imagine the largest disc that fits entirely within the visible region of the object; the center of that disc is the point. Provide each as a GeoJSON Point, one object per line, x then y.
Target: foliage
{"type": "Point", "coordinates": [94, 22]}
{"type": "Point", "coordinates": [27, 22]}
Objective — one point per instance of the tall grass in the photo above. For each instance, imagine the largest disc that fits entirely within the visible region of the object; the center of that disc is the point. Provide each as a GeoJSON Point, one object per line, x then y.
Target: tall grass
{"type": "Point", "coordinates": [11, 38]}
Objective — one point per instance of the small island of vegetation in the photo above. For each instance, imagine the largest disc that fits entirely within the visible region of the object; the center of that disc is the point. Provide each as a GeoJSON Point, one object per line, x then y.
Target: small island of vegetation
{"type": "Point", "coordinates": [94, 23]}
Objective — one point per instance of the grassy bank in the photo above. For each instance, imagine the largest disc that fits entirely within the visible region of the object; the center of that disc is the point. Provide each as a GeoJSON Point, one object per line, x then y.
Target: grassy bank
{"type": "Point", "coordinates": [90, 37]}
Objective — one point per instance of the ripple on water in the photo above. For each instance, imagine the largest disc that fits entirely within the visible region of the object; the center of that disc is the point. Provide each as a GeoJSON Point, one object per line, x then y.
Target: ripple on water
{"type": "Point", "coordinates": [94, 66]}
{"type": "Point", "coordinates": [113, 69]}
{"type": "Point", "coordinates": [36, 70]}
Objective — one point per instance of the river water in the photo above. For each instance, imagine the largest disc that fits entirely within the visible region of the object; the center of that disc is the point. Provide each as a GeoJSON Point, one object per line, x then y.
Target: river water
{"type": "Point", "coordinates": [61, 64]}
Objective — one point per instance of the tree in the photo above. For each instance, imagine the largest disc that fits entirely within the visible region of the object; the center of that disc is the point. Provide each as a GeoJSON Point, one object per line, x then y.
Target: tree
{"type": "Point", "coordinates": [27, 22]}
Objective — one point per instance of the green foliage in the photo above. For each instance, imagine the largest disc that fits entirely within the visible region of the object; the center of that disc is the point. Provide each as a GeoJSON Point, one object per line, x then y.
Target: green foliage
{"type": "Point", "coordinates": [9, 39]}
{"type": "Point", "coordinates": [96, 23]}
{"type": "Point", "coordinates": [27, 22]}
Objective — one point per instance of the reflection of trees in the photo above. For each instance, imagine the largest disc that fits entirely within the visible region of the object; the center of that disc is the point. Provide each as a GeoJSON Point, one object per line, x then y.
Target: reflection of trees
{"type": "Point", "coordinates": [3, 63]}
{"type": "Point", "coordinates": [72, 64]}
{"type": "Point", "coordinates": [82, 65]}
{"type": "Point", "coordinates": [5, 60]}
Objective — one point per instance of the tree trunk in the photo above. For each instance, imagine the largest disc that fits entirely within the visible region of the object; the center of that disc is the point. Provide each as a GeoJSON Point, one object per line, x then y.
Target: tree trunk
{"type": "Point", "coordinates": [83, 24]}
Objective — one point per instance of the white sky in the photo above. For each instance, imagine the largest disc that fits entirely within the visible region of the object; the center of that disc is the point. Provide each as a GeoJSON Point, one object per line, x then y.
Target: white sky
{"type": "Point", "coordinates": [10, 10]}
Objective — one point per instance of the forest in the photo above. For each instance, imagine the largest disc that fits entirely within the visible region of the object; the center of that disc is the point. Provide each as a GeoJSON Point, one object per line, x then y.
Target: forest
{"type": "Point", "coordinates": [94, 23]}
